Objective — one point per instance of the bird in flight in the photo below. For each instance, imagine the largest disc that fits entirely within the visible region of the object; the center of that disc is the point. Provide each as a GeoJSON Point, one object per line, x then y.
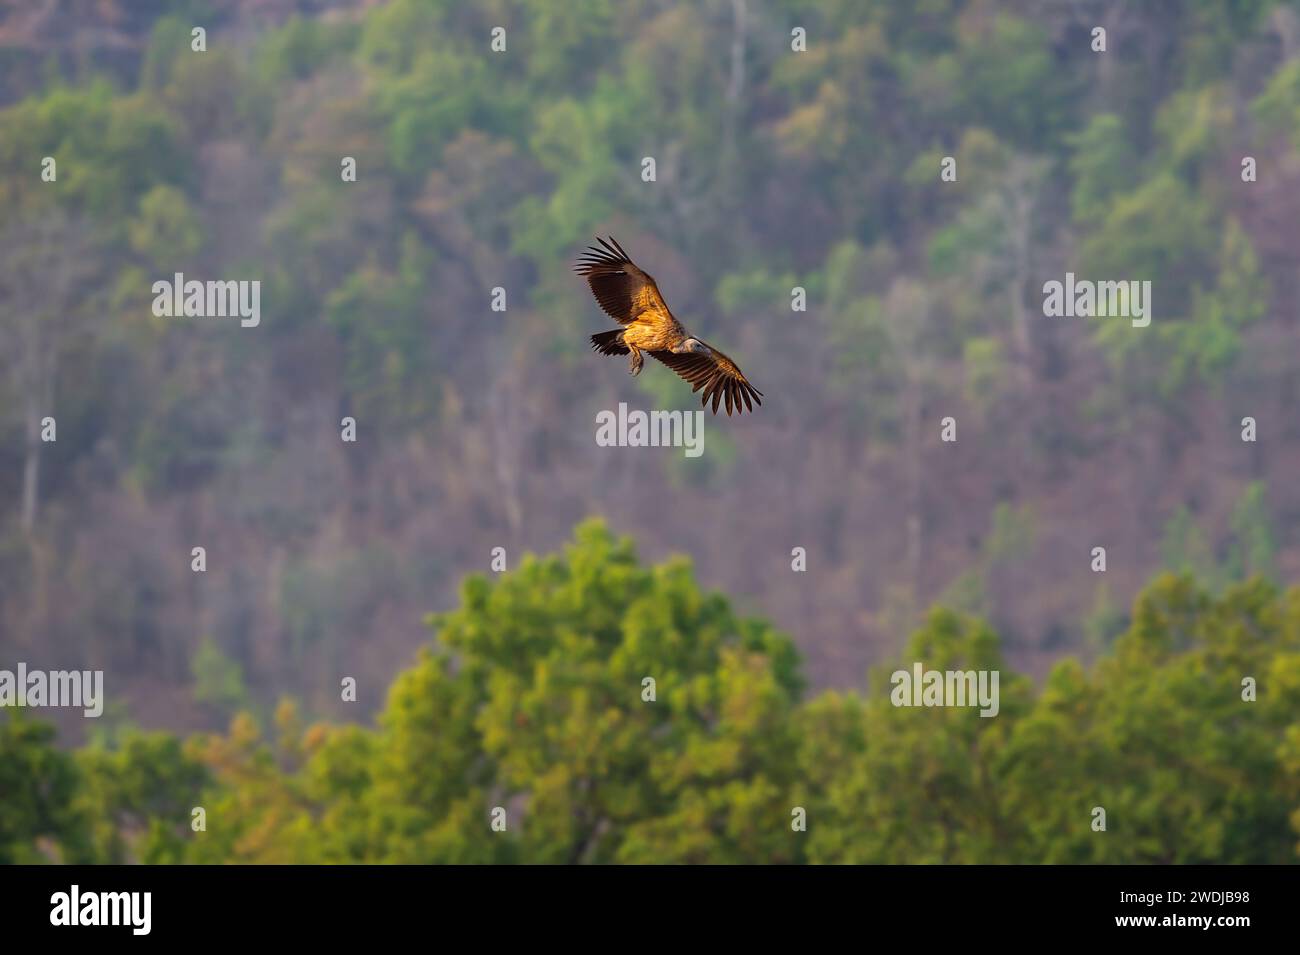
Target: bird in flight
{"type": "Point", "coordinates": [632, 299]}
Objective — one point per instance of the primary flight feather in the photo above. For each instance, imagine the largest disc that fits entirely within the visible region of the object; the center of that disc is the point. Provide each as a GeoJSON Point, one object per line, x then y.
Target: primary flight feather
{"type": "Point", "coordinates": [631, 298]}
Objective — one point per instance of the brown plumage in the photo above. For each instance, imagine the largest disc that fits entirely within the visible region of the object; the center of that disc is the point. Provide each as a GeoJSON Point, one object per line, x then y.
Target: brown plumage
{"type": "Point", "coordinates": [631, 298]}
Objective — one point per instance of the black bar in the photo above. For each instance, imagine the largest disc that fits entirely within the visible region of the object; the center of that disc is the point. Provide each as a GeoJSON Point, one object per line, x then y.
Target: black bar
{"type": "Point", "coordinates": [332, 905]}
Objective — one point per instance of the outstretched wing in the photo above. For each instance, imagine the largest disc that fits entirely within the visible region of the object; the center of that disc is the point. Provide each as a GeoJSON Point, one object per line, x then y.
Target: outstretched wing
{"type": "Point", "coordinates": [719, 376]}
{"type": "Point", "coordinates": [623, 290]}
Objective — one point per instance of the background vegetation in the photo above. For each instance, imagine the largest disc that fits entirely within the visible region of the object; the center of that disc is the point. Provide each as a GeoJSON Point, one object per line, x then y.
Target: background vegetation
{"type": "Point", "coordinates": [534, 702]}
{"type": "Point", "coordinates": [775, 169]}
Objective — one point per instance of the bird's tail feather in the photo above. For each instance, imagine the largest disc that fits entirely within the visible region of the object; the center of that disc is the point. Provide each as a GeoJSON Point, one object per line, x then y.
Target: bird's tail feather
{"type": "Point", "coordinates": [609, 343]}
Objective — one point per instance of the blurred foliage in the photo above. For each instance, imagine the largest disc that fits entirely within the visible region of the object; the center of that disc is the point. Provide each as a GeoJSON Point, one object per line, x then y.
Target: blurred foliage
{"type": "Point", "coordinates": [534, 699]}
{"type": "Point", "coordinates": [218, 680]}
{"type": "Point", "coordinates": [1249, 551]}
{"type": "Point", "coordinates": [817, 169]}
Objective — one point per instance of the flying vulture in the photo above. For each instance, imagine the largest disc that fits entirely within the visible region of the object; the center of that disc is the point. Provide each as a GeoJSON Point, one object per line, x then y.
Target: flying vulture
{"type": "Point", "coordinates": [632, 299]}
